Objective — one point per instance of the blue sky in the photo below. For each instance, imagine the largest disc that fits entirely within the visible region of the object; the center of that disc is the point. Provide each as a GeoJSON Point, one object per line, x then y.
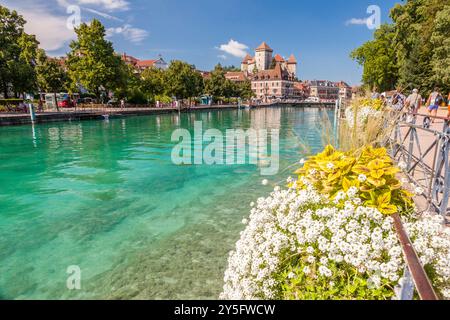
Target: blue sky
{"type": "Point", "coordinates": [318, 33]}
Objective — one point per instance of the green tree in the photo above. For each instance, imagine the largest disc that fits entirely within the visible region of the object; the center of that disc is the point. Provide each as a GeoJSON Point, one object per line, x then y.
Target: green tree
{"type": "Point", "coordinates": [378, 58]}
{"type": "Point", "coordinates": [50, 75]}
{"type": "Point", "coordinates": [152, 82]}
{"type": "Point", "coordinates": [414, 25]}
{"type": "Point", "coordinates": [17, 54]}
{"type": "Point", "coordinates": [182, 80]}
{"type": "Point", "coordinates": [244, 90]}
{"type": "Point", "coordinates": [231, 68]}
{"type": "Point", "coordinates": [420, 45]}
{"type": "Point", "coordinates": [216, 84]}
{"type": "Point", "coordinates": [440, 40]}
{"type": "Point", "coordinates": [92, 62]}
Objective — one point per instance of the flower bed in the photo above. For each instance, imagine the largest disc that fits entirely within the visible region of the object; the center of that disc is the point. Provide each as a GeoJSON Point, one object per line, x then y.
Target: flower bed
{"type": "Point", "coordinates": [330, 235]}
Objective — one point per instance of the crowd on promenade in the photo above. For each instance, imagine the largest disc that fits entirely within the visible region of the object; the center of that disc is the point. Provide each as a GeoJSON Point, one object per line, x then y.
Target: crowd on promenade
{"type": "Point", "coordinates": [414, 102]}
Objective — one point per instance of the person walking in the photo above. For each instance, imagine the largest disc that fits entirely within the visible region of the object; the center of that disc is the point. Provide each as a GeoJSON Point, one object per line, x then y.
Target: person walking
{"type": "Point", "coordinates": [414, 102]}
{"type": "Point", "coordinates": [448, 105]}
{"type": "Point", "coordinates": [398, 100]}
{"type": "Point", "coordinates": [122, 103]}
{"type": "Point", "coordinates": [434, 101]}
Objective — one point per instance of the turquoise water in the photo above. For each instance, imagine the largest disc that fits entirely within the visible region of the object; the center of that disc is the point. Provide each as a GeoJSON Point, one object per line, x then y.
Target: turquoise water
{"type": "Point", "coordinates": [105, 196]}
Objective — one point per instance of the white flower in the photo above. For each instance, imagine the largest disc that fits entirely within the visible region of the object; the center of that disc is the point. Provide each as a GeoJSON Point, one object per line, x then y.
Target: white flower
{"type": "Point", "coordinates": [375, 280]}
{"type": "Point", "coordinates": [324, 271]}
{"type": "Point", "coordinates": [352, 192]}
{"type": "Point", "coordinates": [306, 270]}
{"type": "Point", "coordinates": [402, 165]}
{"type": "Point", "coordinates": [244, 221]}
{"type": "Point", "coordinates": [418, 191]}
{"type": "Point", "coordinates": [311, 259]}
{"type": "Point", "coordinates": [252, 204]}
{"type": "Point", "coordinates": [265, 182]}
{"type": "Point", "coordinates": [305, 223]}
{"type": "Point", "coordinates": [330, 166]}
{"type": "Point", "coordinates": [362, 178]}
{"type": "Point", "coordinates": [302, 161]}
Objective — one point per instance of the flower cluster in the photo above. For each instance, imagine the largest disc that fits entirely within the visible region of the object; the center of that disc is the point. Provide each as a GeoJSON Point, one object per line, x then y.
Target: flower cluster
{"type": "Point", "coordinates": [431, 239]}
{"type": "Point", "coordinates": [301, 234]}
{"type": "Point", "coordinates": [361, 116]}
{"type": "Point", "coordinates": [299, 244]}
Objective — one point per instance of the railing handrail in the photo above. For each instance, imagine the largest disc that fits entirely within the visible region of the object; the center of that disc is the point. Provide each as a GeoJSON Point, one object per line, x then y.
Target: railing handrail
{"type": "Point", "coordinates": [419, 276]}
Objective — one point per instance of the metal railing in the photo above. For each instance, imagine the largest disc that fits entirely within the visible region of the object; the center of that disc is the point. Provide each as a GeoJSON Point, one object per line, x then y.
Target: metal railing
{"type": "Point", "coordinates": [425, 151]}
{"type": "Point", "coordinates": [428, 167]}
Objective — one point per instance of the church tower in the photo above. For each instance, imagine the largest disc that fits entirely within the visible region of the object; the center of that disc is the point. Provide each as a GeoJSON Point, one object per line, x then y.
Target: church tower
{"type": "Point", "coordinates": [263, 57]}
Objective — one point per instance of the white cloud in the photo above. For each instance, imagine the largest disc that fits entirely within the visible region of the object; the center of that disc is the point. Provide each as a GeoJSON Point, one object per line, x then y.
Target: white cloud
{"type": "Point", "coordinates": [110, 5]}
{"type": "Point", "coordinates": [50, 28]}
{"type": "Point", "coordinates": [234, 48]}
{"type": "Point", "coordinates": [357, 21]}
{"type": "Point", "coordinates": [222, 56]}
{"type": "Point", "coordinates": [103, 15]}
{"type": "Point", "coordinates": [130, 33]}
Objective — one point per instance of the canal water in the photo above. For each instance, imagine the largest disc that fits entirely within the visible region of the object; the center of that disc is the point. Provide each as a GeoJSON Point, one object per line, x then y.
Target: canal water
{"type": "Point", "coordinates": [104, 196]}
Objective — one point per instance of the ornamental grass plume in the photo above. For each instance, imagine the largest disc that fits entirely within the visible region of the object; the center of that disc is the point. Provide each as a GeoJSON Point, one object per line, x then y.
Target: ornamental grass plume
{"type": "Point", "coordinates": [365, 122]}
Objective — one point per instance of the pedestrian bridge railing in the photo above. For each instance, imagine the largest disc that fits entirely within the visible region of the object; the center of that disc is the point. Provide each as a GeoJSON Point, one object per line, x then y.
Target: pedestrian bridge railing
{"type": "Point", "coordinates": [424, 154]}
{"type": "Point", "coordinates": [424, 151]}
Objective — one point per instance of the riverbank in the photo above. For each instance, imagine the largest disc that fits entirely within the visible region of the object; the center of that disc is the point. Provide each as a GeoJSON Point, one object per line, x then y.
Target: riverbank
{"type": "Point", "coordinates": [96, 114]}
{"type": "Point", "coordinates": [8, 119]}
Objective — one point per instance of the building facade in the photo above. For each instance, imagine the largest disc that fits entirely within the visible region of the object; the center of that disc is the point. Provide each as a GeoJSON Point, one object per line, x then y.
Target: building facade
{"type": "Point", "coordinates": [273, 77]}
{"type": "Point", "coordinates": [324, 90]}
{"type": "Point", "coordinates": [345, 91]}
{"type": "Point", "coordinates": [141, 65]}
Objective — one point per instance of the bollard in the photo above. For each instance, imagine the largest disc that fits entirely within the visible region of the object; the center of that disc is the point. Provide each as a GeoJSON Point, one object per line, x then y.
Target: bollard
{"type": "Point", "coordinates": [32, 113]}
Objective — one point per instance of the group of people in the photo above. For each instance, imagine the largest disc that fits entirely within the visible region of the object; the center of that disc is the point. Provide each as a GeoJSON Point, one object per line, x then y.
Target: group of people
{"type": "Point", "coordinates": [414, 101]}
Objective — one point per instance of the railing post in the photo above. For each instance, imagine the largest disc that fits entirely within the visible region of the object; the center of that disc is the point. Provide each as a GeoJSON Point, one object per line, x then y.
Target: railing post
{"type": "Point", "coordinates": [406, 290]}
{"type": "Point", "coordinates": [446, 191]}
{"type": "Point", "coordinates": [411, 145]}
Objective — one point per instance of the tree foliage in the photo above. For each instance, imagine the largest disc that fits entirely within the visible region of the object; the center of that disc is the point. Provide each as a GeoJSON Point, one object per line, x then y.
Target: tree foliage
{"type": "Point", "coordinates": [17, 54]}
{"type": "Point", "coordinates": [92, 62]}
{"type": "Point", "coordinates": [378, 59]}
{"type": "Point", "coordinates": [93, 65]}
{"type": "Point", "coordinates": [413, 51]}
{"type": "Point", "coordinates": [49, 74]}
{"type": "Point", "coordinates": [182, 80]}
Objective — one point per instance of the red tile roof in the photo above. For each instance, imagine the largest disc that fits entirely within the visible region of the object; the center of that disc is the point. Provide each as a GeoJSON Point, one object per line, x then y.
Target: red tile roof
{"type": "Point", "coordinates": [273, 74]}
{"type": "Point", "coordinates": [264, 46]}
{"type": "Point", "coordinates": [235, 76]}
{"type": "Point", "coordinates": [145, 63]}
{"type": "Point", "coordinates": [247, 58]}
{"type": "Point", "coordinates": [279, 58]}
{"type": "Point", "coordinates": [292, 59]}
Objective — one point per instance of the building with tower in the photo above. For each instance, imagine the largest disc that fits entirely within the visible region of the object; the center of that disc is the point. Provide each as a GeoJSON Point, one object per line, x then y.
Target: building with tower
{"type": "Point", "coordinates": [264, 60]}
{"type": "Point", "coordinates": [273, 77]}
